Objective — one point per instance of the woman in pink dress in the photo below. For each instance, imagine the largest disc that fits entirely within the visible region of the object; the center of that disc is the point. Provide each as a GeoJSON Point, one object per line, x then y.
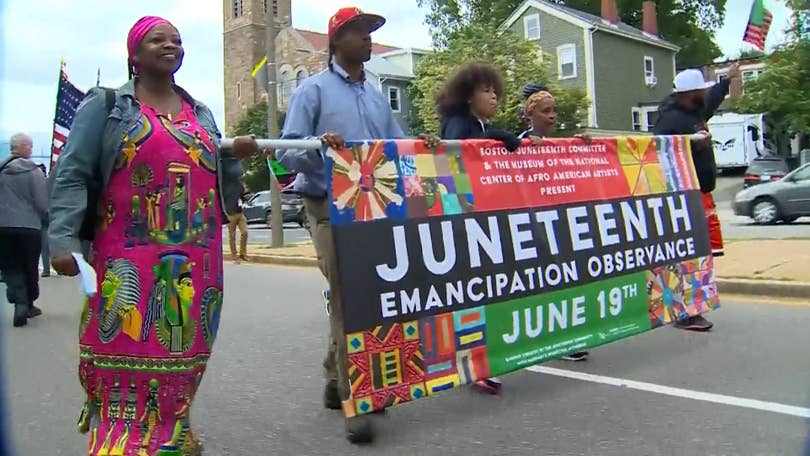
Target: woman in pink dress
{"type": "Point", "coordinates": [143, 168]}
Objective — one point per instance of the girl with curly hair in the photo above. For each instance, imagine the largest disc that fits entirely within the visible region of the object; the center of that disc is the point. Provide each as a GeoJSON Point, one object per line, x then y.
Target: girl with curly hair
{"type": "Point", "coordinates": [468, 103]}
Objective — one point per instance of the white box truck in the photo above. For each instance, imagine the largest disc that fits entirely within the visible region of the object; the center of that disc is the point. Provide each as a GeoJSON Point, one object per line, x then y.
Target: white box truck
{"type": "Point", "coordinates": [737, 139]}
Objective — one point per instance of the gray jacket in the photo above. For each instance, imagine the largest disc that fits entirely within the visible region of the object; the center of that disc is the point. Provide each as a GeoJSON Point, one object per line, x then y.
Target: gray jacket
{"type": "Point", "coordinates": [23, 194]}
{"type": "Point", "coordinates": [87, 161]}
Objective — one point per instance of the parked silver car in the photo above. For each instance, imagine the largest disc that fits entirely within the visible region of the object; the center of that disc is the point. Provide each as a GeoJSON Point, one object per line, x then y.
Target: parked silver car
{"type": "Point", "coordinates": [785, 199]}
{"type": "Point", "coordinates": [257, 209]}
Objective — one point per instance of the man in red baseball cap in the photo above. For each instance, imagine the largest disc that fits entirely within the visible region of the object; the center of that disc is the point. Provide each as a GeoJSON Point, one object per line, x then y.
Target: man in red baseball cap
{"type": "Point", "coordinates": [334, 104]}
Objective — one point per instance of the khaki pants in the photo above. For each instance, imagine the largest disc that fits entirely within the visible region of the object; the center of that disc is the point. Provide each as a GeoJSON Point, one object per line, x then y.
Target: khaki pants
{"type": "Point", "coordinates": [317, 210]}
{"type": "Point", "coordinates": [234, 221]}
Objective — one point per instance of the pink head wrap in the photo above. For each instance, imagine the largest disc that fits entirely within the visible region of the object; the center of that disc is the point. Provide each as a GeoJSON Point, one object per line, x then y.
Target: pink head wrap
{"type": "Point", "coordinates": [139, 31]}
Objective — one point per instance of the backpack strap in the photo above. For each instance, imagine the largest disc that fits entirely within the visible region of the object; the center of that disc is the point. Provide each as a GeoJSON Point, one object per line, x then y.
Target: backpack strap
{"type": "Point", "coordinates": [3, 166]}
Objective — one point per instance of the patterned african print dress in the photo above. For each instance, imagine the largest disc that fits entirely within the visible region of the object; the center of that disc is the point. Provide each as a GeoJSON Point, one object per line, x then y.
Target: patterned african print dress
{"type": "Point", "coordinates": [146, 336]}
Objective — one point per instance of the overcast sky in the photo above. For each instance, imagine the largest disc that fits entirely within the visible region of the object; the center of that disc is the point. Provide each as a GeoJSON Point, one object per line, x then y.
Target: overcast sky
{"type": "Point", "coordinates": [38, 33]}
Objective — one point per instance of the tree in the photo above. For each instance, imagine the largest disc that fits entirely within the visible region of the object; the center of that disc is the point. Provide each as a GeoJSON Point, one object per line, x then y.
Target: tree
{"type": "Point", "coordinates": [781, 90]}
{"type": "Point", "coordinates": [517, 60]}
{"type": "Point", "coordinates": [256, 174]}
{"type": "Point", "coordinates": [687, 23]}
{"type": "Point", "coordinates": [752, 53]}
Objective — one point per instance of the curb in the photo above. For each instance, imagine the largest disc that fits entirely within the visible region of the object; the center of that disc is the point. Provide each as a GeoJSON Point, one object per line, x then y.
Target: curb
{"type": "Point", "coordinates": [301, 261]}
{"type": "Point", "coordinates": [774, 288]}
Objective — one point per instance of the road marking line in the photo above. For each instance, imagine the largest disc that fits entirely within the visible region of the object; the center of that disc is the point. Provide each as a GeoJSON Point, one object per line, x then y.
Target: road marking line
{"type": "Point", "coordinates": [773, 407]}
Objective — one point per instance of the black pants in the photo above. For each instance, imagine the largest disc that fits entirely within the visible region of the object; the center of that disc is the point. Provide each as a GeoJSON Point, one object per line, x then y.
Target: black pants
{"type": "Point", "coordinates": [19, 263]}
{"type": "Point", "coordinates": [46, 252]}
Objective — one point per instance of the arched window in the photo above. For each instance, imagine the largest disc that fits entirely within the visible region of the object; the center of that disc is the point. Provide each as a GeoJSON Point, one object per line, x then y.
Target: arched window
{"type": "Point", "coordinates": [300, 76]}
{"type": "Point", "coordinates": [285, 82]}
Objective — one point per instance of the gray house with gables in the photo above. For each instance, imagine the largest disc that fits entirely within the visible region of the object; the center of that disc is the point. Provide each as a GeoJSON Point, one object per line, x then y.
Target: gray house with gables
{"type": "Point", "coordinates": [625, 71]}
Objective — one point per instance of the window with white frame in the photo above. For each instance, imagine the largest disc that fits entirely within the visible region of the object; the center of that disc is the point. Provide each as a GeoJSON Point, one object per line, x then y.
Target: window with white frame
{"type": "Point", "coordinates": [531, 27]}
{"type": "Point", "coordinates": [652, 118]}
{"type": "Point", "coordinates": [750, 75]}
{"type": "Point", "coordinates": [394, 99]}
{"type": "Point", "coordinates": [644, 118]}
{"type": "Point", "coordinates": [567, 61]}
{"type": "Point", "coordinates": [649, 71]}
{"type": "Point", "coordinates": [747, 76]}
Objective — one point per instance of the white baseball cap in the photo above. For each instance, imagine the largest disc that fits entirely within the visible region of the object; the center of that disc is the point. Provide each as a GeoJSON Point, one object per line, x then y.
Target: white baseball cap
{"type": "Point", "coordinates": [689, 80]}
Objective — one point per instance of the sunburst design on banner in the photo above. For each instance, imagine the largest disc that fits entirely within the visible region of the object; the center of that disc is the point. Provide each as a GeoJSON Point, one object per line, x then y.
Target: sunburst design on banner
{"type": "Point", "coordinates": [364, 180]}
{"type": "Point", "coordinates": [639, 159]}
{"type": "Point", "coordinates": [666, 301]}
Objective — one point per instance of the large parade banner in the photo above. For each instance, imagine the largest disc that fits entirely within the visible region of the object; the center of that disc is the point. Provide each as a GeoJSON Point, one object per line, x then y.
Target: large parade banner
{"type": "Point", "coordinates": [469, 261]}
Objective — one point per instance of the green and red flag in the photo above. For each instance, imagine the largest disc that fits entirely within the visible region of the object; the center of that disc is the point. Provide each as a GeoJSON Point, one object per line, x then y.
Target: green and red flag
{"type": "Point", "coordinates": [759, 22]}
{"type": "Point", "coordinates": [277, 168]}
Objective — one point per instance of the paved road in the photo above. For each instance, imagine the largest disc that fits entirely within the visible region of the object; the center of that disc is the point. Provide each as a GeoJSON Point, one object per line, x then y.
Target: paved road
{"type": "Point", "coordinates": [736, 227]}
{"type": "Point", "coordinates": [261, 394]}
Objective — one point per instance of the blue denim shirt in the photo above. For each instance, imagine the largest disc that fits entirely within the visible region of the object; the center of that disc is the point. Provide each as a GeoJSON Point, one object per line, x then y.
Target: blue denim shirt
{"type": "Point", "coordinates": [87, 160]}
{"type": "Point", "coordinates": [330, 102]}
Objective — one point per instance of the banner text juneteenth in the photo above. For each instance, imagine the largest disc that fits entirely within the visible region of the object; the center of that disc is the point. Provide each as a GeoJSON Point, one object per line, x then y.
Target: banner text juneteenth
{"type": "Point", "coordinates": [418, 267]}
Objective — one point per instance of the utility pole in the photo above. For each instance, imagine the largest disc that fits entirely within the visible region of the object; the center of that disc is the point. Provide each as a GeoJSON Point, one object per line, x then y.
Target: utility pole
{"type": "Point", "coordinates": [277, 218]}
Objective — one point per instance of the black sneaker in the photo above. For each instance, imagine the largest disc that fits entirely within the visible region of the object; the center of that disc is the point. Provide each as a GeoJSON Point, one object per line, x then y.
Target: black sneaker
{"type": "Point", "coordinates": [34, 311]}
{"type": "Point", "coordinates": [578, 356]}
{"type": "Point", "coordinates": [359, 429]}
{"type": "Point", "coordinates": [331, 398]}
{"type": "Point", "coordinates": [696, 323]}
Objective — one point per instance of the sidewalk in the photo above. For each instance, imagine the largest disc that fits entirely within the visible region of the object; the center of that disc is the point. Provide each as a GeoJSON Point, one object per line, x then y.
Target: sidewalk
{"type": "Point", "coordinates": [757, 267]}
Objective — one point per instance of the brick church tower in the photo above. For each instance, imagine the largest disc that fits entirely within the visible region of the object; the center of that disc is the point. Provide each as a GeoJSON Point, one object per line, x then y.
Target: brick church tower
{"type": "Point", "coordinates": [244, 35]}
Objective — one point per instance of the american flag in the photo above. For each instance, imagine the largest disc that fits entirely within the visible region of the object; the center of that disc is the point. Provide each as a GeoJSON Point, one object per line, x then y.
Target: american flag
{"type": "Point", "coordinates": [759, 23]}
{"type": "Point", "coordinates": [68, 98]}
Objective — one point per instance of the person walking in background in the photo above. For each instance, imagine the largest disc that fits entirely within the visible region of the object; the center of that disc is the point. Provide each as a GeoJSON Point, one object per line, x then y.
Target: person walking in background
{"type": "Point", "coordinates": [23, 204]}
{"type": "Point", "coordinates": [467, 104]}
{"type": "Point", "coordinates": [238, 220]}
{"type": "Point", "coordinates": [163, 182]}
{"type": "Point", "coordinates": [46, 255]}
{"type": "Point", "coordinates": [686, 112]}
